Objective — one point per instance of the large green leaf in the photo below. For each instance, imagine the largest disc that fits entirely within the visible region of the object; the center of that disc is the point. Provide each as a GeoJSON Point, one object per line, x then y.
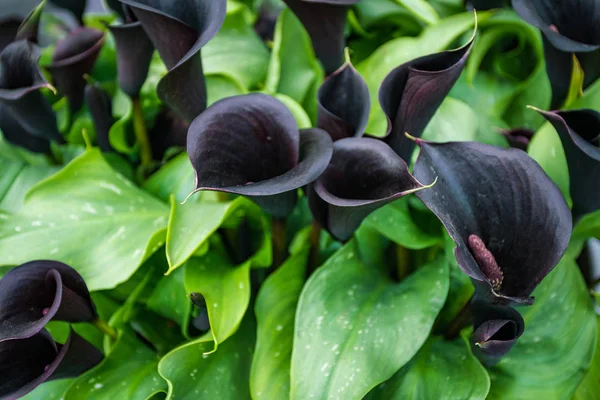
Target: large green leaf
{"type": "Point", "coordinates": [421, 9]}
{"type": "Point", "coordinates": [128, 372]}
{"type": "Point", "coordinates": [398, 51]}
{"type": "Point", "coordinates": [588, 389]}
{"type": "Point", "coordinates": [275, 310]}
{"type": "Point", "coordinates": [16, 179]}
{"type": "Point", "coordinates": [226, 289]}
{"type": "Point", "coordinates": [355, 327]}
{"type": "Point", "coordinates": [89, 217]}
{"type": "Point", "coordinates": [169, 300]}
{"type": "Point", "coordinates": [53, 390]}
{"type": "Point", "coordinates": [440, 370]}
{"type": "Point", "coordinates": [236, 51]}
{"type": "Point", "coordinates": [551, 357]}
{"type": "Point", "coordinates": [193, 374]}
{"type": "Point", "coordinates": [293, 69]}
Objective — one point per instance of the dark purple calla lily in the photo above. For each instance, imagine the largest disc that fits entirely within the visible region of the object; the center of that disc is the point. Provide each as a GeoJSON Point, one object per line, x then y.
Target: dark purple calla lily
{"type": "Point", "coordinates": [27, 363]}
{"type": "Point", "coordinates": [250, 145]}
{"type": "Point", "coordinates": [73, 58]}
{"type": "Point", "coordinates": [579, 132]}
{"type": "Point", "coordinates": [344, 103]}
{"type": "Point", "coordinates": [179, 30]}
{"type": "Point", "coordinates": [324, 21]}
{"type": "Point", "coordinates": [117, 7]}
{"type": "Point", "coordinates": [510, 222]}
{"type": "Point", "coordinates": [496, 331]}
{"type": "Point", "coordinates": [16, 134]}
{"type": "Point", "coordinates": [411, 94]}
{"type": "Point", "coordinates": [518, 138]}
{"type": "Point", "coordinates": [12, 15]}
{"type": "Point", "coordinates": [363, 175]}
{"type": "Point", "coordinates": [99, 104]}
{"type": "Point", "coordinates": [39, 291]}
{"type": "Point", "coordinates": [569, 27]}
{"type": "Point", "coordinates": [169, 130]}
{"type": "Point", "coordinates": [76, 7]}
{"type": "Point", "coordinates": [134, 53]}
{"type": "Point", "coordinates": [267, 18]}
{"type": "Point", "coordinates": [484, 4]}
{"type": "Point", "coordinates": [20, 84]}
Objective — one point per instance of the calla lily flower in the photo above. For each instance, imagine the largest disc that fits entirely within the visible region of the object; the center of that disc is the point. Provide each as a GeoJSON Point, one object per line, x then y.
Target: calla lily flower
{"type": "Point", "coordinates": [179, 30]}
{"type": "Point", "coordinates": [364, 174]}
{"type": "Point", "coordinates": [325, 21]}
{"type": "Point", "coordinates": [344, 103]}
{"type": "Point", "coordinates": [99, 104]}
{"type": "Point", "coordinates": [509, 221]}
{"type": "Point", "coordinates": [74, 57]}
{"type": "Point", "coordinates": [12, 15]}
{"type": "Point", "coordinates": [484, 4]}
{"type": "Point", "coordinates": [169, 130]}
{"type": "Point", "coordinates": [411, 94]}
{"type": "Point", "coordinates": [16, 134]}
{"type": "Point", "coordinates": [117, 7]}
{"type": "Point", "coordinates": [76, 7]}
{"type": "Point", "coordinates": [568, 27]}
{"type": "Point", "coordinates": [579, 132]}
{"type": "Point", "coordinates": [134, 53]}
{"type": "Point", "coordinates": [267, 18]}
{"type": "Point", "coordinates": [496, 331]}
{"type": "Point", "coordinates": [518, 138]}
{"type": "Point", "coordinates": [250, 145]}
{"type": "Point", "coordinates": [20, 84]}
{"type": "Point", "coordinates": [25, 364]}
{"type": "Point", "coordinates": [37, 292]}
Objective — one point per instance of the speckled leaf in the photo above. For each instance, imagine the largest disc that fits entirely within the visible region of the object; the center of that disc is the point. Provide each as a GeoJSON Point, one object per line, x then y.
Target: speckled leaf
{"type": "Point", "coordinates": [169, 300]}
{"type": "Point", "coordinates": [588, 388]}
{"type": "Point", "coordinates": [223, 375]}
{"type": "Point", "coordinates": [551, 357]}
{"type": "Point", "coordinates": [89, 217]}
{"type": "Point", "coordinates": [441, 370]}
{"type": "Point", "coordinates": [226, 289]}
{"type": "Point", "coordinates": [17, 178]}
{"type": "Point", "coordinates": [355, 327]}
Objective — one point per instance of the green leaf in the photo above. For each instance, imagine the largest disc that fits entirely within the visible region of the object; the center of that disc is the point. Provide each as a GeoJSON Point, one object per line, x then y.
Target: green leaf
{"type": "Point", "coordinates": [576, 85]}
{"type": "Point", "coordinates": [355, 327]}
{"type": "Point", "coordinates": [454, 121]}
{"type": "Point", "coordinates": [190, 225]}
{"type": "Point", "coordinates": [52, 390]}
{"type": "Point", "coordinates": [440, 370]}
{"type": "Point", "coordinates": [398, 51]}
{"type": "Point", "coordinates": [194, 374]}
{"type": "Point", "coordinates": [128, 372]}
{"type": "Point", "coordinates": [119, 135]}
{"type": "Point", "coordinates": [551, 357]}
{"type": "Point", "coordinates": [302, 118]}
{"type": "Point", "coordinates": [219, 86]}
{"type": "Point", "coordinates": [89, 217]}
{"type": "Point", "coordinates": [236, 51]}
{"type": "Point", "coordinates": [275, 310]}
{"type": "Point", "coordinates": [588, 388]}
{"type": "Point", "coordinates": [293, 69]}
{"type": "Point", "coordinates": [226, 289]}
{"type": "Point", "coordinates": [169, 300]}
{"type": "Point", "coordinates": [421, 9]}
{"type": "Point", "coordinates": [16, 179]}
{"type": "Point", "coordinates": [395, 222]}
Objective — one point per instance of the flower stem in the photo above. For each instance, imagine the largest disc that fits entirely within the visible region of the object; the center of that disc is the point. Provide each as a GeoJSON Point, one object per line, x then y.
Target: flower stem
{"type": "Point", "coordinates": [462, 320]}
{"type": "Point", "coordinates": [403, 264]}
{"type": "Point", "coordinates": [103, 327]}
{"type": "Point", "coordinates": [141, 134]}
{"type": "Point", "coordinates": [315, 241]}
{"type": "Point", "coordinates": [279, 241]}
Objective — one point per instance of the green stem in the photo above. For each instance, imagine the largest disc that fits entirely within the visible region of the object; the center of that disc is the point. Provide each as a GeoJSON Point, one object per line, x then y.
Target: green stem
{"type": "Point", "coordinates": [403, 267]}
{"type": "Point", "coordinates": [461, 321]}
{"type": "Point", "coordinates": [106, 329]}
{"type": "Point", "coordinates": [315, 245]}
{"type": "Point", "coordinates": [141, 134]}
{"type": "Point", "coordinates": [279, 241]}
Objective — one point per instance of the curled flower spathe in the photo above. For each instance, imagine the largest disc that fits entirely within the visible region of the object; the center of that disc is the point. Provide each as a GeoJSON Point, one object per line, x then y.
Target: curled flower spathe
{"type": "Point", "coordinates": [509, 221]}
{"type": "Point", "coordinates": [324, 21]}
{"type": "Point", "coordinates": [100, 107]}
{"type": "Point", "coordinates": [579, 132]}
{"type": "Point", "coordinates": [179, 30]}
{"type": "Point", "coordinates": [37, 292]}
{"type": "Point", "coordinates": [250, 145]}
{"type": "Point", "coordinates": [363, 175]}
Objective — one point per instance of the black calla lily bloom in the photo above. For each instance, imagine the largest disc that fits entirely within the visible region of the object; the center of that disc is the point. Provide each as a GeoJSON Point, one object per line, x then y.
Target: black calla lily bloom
{"type": "Point", "coordinates": [20, 84]}
{"type": "Point", "coordinates": [117, 7]}
{"type": "Point", "coordinates": [134, 53]}
{"type": "Point", "coordinates": [411, 94]}
{"type": "Point", "coordinates": [484, 4]}
{"type": "Point", "coordinates": [76, 7]}
{"type": "Point", "coordinates": [169, 130]}
{"type": "Point", "coordinates": [27, 363]}
{"type": "Point", "coordinates": [518, 138]}
{"type": "Point", "coordinates": [344, 103]}
{"type": "Point", "coordinates": [324, 21]}
{"type": "Point", "coordinates": [39, 291]}
{"type": "Point", "coordinates": [179, 30]}
{"type": "Point", "coordinates": [15, 133]}
{"type": "Point", "coordinates": [74, 57]}
{"type": "Point", "coordinates": [579, 132]}
{"type": "Point", "coordinates": [510, 222]}
{"type": "Point", "coordinates": [568, 27]}
{"type": "Point", "coordinates": [364, 174]}
{"type": "Point", "coordinates": [250, 145]}
{"type": "Point", "coordinates": [12, 15]}
{"type": "Point", "coordinates": [28, 30]}
{"type": "Point", "coordinates": [267, 18]}
{"type": "Point", "coordinates": [99, 104]}
{"type": "Point", "coordinates": [496, 331]}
